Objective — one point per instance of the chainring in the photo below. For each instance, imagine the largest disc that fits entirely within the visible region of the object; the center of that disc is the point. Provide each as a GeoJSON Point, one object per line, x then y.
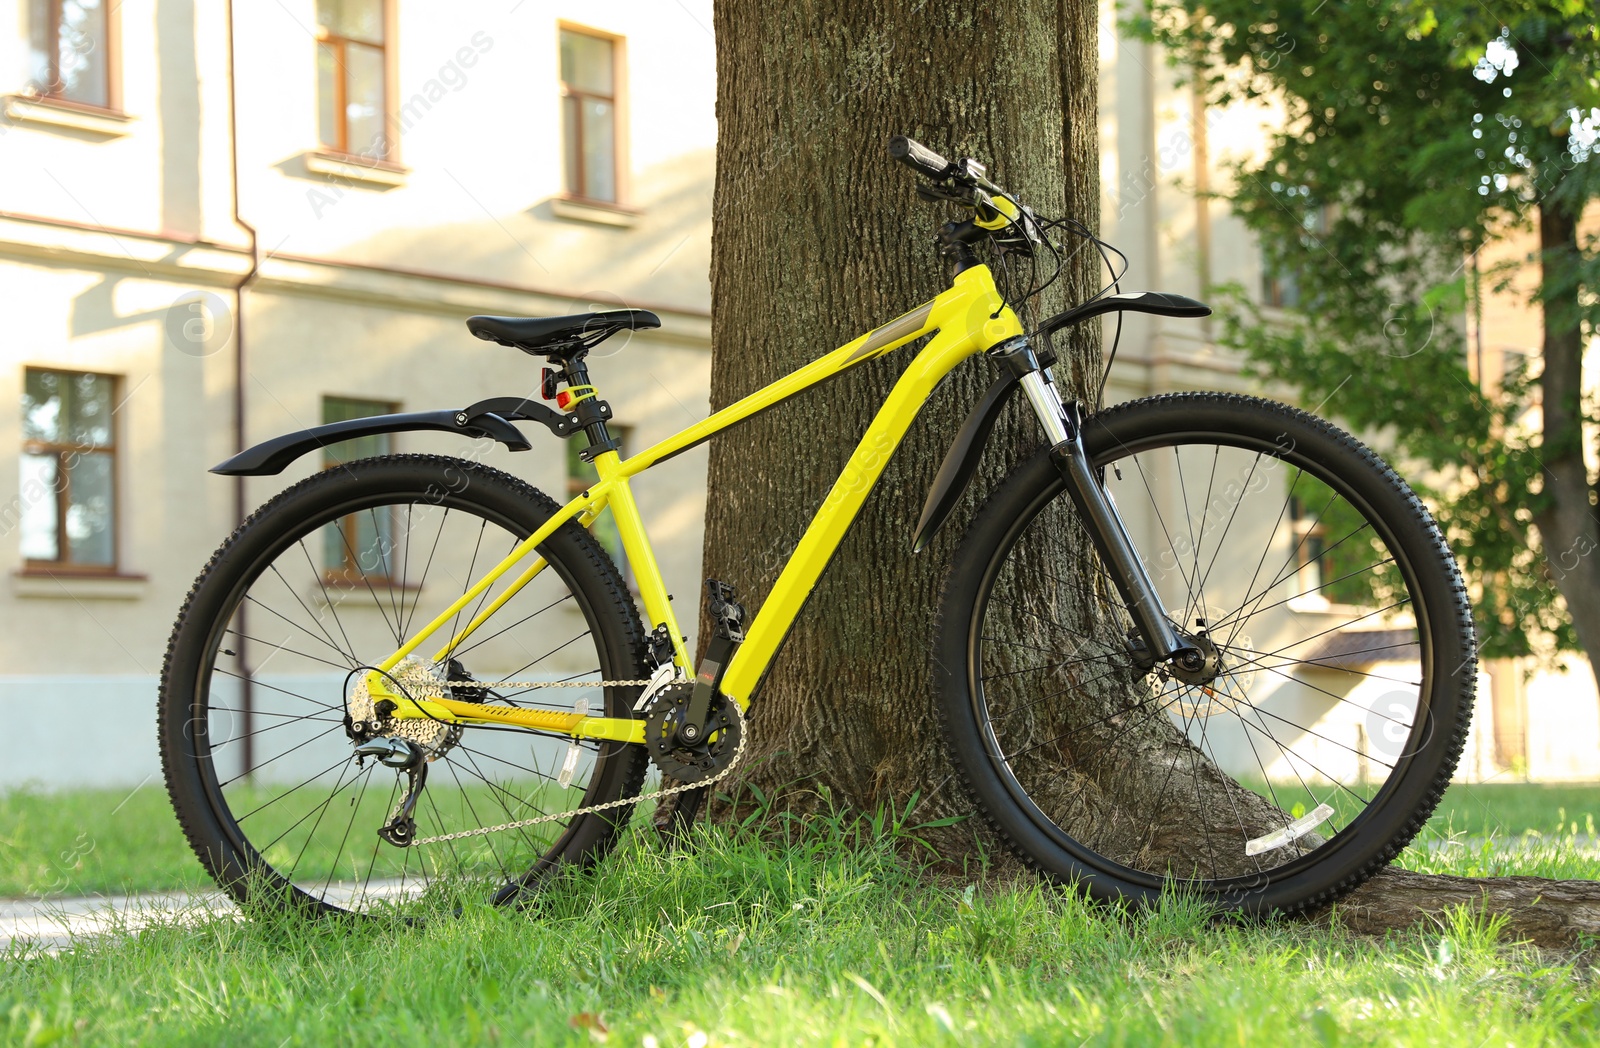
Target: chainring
{"type": "Point", "coordinates": [682, 761]}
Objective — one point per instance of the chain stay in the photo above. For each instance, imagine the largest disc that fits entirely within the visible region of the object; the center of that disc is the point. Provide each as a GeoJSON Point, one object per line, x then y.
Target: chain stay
{"type": "Point", "coordinates": [484, 831]}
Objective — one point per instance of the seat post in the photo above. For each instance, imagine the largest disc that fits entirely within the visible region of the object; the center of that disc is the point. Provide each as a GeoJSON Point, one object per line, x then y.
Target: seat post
{"type": "Point", "coordinates": [576, 373]}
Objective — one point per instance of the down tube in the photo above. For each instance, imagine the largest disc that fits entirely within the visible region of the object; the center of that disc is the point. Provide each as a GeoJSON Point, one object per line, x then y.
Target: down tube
{"type": "Point", "coordinates": [839, 509]}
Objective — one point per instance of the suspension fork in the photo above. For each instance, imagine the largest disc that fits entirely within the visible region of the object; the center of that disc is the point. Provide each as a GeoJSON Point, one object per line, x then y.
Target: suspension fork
{"type": "Point", "coordinates": [1063, 426]}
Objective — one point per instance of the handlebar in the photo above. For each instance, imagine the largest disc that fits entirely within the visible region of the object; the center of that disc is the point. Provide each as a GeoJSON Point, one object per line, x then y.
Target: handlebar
{"type": "Point", "coordinates": [920, 158]}
{"type": "Point", "coordinates": [968, 185]}
{"type": "Point", "coordinates": [998, 217]}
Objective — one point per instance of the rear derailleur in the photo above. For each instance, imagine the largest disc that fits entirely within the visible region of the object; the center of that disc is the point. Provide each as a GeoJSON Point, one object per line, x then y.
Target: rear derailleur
{"type": "Point", "coordinates": [402, 755]}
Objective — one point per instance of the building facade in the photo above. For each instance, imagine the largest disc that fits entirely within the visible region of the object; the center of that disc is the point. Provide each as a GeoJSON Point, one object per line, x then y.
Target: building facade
{"type": "Point", "coordinates": [215, 231]}
{"type": "Point", "coordinates": [284, 222]}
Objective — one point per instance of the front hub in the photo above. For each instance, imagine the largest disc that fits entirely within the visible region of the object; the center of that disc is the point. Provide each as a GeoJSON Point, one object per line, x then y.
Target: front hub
{"type": "Point", "coordinates": [1201, 663]}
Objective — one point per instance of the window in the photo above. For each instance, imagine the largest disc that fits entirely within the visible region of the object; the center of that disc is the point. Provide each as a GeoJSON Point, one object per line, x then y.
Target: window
{"type": "Point", "coordinates": [1308, 535]}
{"type": "Point", "coordinates": [359, 547]}
{"type": "Point", "coordinates": [352, 101]}
{"type": "Point", "coordinates": [1278, 286]}
{"type": "Point", "coordinates": [589, 125]}
{"type": "Point", "coordinates": [580, 475]}
{"type": "Point", "coordinates": [69, 470]}
{"type": "Point", "coordinates": [69, 51]}
{"type": "Point", "coordinates": [1327, 572]}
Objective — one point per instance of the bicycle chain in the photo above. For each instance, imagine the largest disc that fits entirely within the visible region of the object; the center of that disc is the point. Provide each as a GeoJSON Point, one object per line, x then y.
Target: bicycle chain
{"type": "Point", "coordinates": [484, 831]}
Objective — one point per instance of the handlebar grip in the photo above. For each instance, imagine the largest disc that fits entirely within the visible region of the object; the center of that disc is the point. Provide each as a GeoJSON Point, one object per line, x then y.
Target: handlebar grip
{"type": "Point", "coordinates": [919, 157]}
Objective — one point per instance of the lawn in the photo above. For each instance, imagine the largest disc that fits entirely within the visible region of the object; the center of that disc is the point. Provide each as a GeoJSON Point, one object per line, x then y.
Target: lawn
{"type": "Point", "coordinates": [76, 842]}
{"type": "Point", "coordinates": [81, 842]}
{"type": "Point", "coordinates": [833, 935]}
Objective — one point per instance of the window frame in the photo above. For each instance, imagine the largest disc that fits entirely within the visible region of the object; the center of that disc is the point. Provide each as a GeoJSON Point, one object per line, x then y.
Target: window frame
{"type": "Point", "coordinates": [63, 487]}
{"type": "Point", "coordinates": [1312, 565]}
{"type": "Point", "coordinates": [51, 95]}
{"type": "Point", "coordinates": [346, 575]}
{"type": "Point", "coordinates": [619, 128]}
{"type": "Point", "coordinates": [387, 50]}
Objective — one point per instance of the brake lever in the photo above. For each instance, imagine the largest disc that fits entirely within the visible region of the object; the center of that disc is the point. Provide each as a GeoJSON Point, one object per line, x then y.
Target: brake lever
{"type": "Point", "coordinates": [939, 194]}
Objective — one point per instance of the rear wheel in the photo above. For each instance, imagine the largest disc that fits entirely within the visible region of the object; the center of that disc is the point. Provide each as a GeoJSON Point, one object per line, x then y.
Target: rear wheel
{"type": "Point", "coordinates": [1340, 661]}
{"type": "Point", "coordinates": [331, 576]}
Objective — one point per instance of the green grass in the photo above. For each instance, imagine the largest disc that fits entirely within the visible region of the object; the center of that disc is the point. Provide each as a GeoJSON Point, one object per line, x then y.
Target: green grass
{"type": "Point", "coordinates": [74, 842]}
{"type": "Point", "coordinates": [1511, 809]}
{"type": "Point", "coordinates": [829, 935]}
{"type": "Point", "coordinates": [110, 841]}
{"type": "Point", "coordinates": [79, 842]}
{"type": "Point", "coordinates": [1512, 829]}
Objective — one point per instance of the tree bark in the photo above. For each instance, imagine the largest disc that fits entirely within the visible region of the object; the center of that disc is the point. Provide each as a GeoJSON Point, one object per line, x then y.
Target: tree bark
{"type": "Point", "coordinates": [1568, 530]}
{"type": "Point", "coordinates": [818, 237]}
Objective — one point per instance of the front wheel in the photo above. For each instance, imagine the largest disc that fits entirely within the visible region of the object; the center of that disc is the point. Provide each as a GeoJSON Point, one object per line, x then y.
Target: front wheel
{"type": "Point", "coordinates": [1338, 679]}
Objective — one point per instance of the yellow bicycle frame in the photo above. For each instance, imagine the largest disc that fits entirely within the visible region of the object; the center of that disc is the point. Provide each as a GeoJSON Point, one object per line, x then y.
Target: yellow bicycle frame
{"type": "Point", "coordinates": [969, 318]}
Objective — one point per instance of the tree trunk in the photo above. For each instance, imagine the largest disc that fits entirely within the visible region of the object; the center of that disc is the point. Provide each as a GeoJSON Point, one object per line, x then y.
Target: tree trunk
{"type": "Point", "coordinates": [1566, 521]}
{"type": "Point", "coordinates": [1562, 915]}
{"type": "Point", "coordinates": [818, 237]}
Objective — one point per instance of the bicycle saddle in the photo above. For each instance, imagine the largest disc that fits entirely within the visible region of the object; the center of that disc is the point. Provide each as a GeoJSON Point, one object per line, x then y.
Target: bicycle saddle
{"type": "Point", "coordinates": [560, 338]}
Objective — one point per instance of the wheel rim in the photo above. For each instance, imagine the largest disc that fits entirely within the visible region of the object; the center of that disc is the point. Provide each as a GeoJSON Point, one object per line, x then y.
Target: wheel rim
{"type": "Point", "coordinates": [339, 591]}
{"type": "Point", "coordinates": [1288, 639]}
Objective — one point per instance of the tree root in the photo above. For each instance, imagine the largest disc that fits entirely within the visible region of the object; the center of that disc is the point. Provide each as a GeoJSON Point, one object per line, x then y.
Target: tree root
{"type": "Point", "coordinates": [1562, 915]}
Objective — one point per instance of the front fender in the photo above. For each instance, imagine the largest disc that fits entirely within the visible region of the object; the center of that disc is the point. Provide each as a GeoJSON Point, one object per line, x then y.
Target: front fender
{"type": "Point", "coordinates": [961, 461]}
{"type": "Point", "coordinates": [270, 457]}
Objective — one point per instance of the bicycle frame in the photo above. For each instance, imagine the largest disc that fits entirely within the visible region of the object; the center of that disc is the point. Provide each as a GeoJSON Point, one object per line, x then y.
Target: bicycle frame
{"type": "Point", "coordinates": [968, 319]}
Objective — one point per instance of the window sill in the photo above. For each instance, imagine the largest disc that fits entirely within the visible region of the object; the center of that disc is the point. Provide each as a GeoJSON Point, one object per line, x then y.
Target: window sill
{"type": "Point", "coordinates": [59, 585]}
{"type": "Point", "coordinates": [68, 116]}
{"type": "Point", "coordinates": [600, 214]}
{"type": "Point", "coordinates": [345, 582]}
{"type": "Point", "coordinates": [378, 173]}
{"type": "Point", "coordinates": [1315, 605]}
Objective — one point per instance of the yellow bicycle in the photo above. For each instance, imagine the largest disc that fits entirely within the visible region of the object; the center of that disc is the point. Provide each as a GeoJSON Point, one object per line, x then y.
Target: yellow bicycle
{"type": "Point", "coordinates": [1196, 639]}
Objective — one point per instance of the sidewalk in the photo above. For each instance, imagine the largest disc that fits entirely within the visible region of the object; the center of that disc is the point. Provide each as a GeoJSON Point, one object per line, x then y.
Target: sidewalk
{"type": "Point", "coordinates": [54, 923]}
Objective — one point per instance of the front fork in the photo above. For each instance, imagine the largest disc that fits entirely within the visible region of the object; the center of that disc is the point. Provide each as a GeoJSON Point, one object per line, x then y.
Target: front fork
{"type": "Point", "coordinates": [1063, 426]}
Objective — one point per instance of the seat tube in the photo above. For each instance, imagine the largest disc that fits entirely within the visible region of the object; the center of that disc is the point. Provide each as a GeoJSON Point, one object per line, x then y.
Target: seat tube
{"type": "Point", "coordinates": [641, 555]}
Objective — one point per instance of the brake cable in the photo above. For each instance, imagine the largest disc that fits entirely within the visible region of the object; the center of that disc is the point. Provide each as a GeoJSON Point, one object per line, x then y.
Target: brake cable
{"type": "Point", "coordinates": [1026, 224]}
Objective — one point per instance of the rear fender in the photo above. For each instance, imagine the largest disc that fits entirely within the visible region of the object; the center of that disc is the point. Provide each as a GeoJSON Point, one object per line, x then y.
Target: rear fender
{"type": "Point", "coordinates": [488, 418]}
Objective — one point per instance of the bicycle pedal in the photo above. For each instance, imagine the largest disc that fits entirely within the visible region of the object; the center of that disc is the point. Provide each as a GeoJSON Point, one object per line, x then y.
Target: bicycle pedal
{"type": "Point", "coordinates": [727, 614]}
